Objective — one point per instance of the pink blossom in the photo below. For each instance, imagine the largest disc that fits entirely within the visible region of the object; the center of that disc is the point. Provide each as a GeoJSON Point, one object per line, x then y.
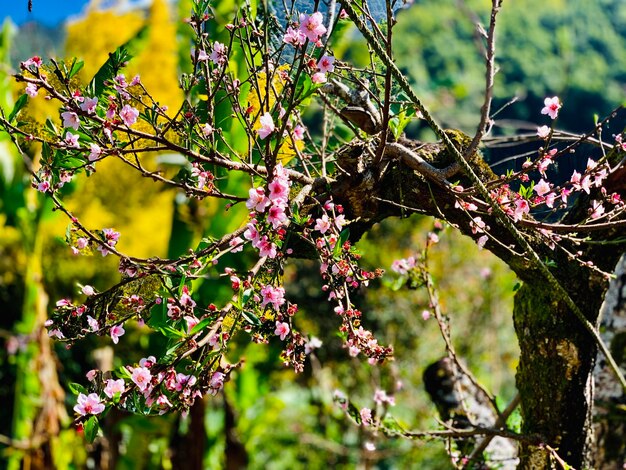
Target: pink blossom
{"type": "Point", "coordinates": [542, 188]}
{"type": "Point", "coordinates": [202, 55]}
{"type": "Point", "coordinates": [267, 126]}
{"type": "Point", "coordinates": [273, 295]}
{"type": "Point", "coordinates": [550, 198]}
{"type": "Point", "coordinates": [207, 129]}
{"type": "Point", "coordinates": [147, 361]}
{"type": "Point", "coordinates": [266, 248]}
{"type": "Point", "coordinates": [311, 26]}
{"type": "Point", "coordinates": [136, 80]}
{"type": "Point", "coordinates": [93, 323]}
{"type": "Point", "coordinates": [252, 233]}
{"type": "Point", "coordinates": [89, 404]}
{"type": "Point", "coordinates": [381, 397]}
{"type": "Point", "coordinates": [88, 290]}
{"type": "Point", "coordinates": [71, 140]}
{"type": "Point", "coordinates": [218, 55]}
{"type": "Point", "coordinates": [312, 344]}
{"type": "Point", "coordinates": [366, 416]}
{"type": "Point", "coordinates": [89, 105]}
{"type": "Point", "coordinates": [597, 209]}
{"type": "Point", "coordinates": [402, 266]}
{"type": "Point", "coordinates": [116, 332]}
{"type": "Point", "coordinates": [257, 199]}
{"type": "Point", "coordinates": [340, 221]}
{"type": "Point", "coordinates": [217, 382]}
{"type": "Point", "coordinates": [141, 376]}
{"type": "Point", "coordinates": [279, 191]}
{"type": "Point", "coordinates": [129, 115]}
{"type": "Point", "coordinates": [276, 216]}
{"type": "Point", "coordinates": [191, 322]}
{"type": "Point", "coordinates": [478, 225]}
{"type": "Point", "coordinates": [113, 387]}
{"type": "Point", "coordinates": [31, 90]}
{"type": "Point", "coordinates": [43, 186]}
{"type": "Point", "coordinates": [94, 152]}
{"type": "Point", "coordinates": [481, 241]}
{"type": "Point", "coordinates": [282, 330]}
{"type": "Point", "coordinates": [295, 37]}
{"type": "Point", "coordinates": [543, 132]}
{"type": "Point", "coordinates": [34, 61]}
{"type": "Point", "coordinates": [56, 333]}
{"type": "Point", "coordinates": [326, 64]}
{"type": "Point", "coordinates": [319, 78]}
{"type": "Point", "coordinates": [236, 244]}
{"type": "Point", "coordinates": [551, 107]}
{"type": "Point", "coordinates": [521, 207]}
{"type": "Point", "coordinates": [323, 224]}
{"type": "Point", "coordinates": [298, 132]}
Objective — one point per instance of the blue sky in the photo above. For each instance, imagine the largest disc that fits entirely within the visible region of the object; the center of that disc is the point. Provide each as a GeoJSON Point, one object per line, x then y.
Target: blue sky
{"type": "Point", "coordinates": [50, 12]}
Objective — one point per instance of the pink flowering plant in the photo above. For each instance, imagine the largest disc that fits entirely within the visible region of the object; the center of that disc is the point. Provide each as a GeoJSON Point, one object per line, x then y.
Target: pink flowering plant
{"type": "Point", "coordinates": [294, 188]}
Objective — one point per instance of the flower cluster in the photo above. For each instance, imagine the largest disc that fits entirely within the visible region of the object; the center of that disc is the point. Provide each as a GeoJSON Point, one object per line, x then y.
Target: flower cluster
{"type": "Point", "coordinates": [269, 208]}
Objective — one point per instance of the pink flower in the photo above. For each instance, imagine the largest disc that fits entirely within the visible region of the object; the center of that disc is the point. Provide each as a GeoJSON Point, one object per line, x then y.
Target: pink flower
{"type": "Point", "coordinates": [207, 129]}
{"type": "Point", "coordinates": [113, 387]}
{"type": "Point", "coordinates": [89, 105]}
{"type": "Point", "coordinates": [521, 207]}
{"type": "Point", "coordinates": [88, 290]}
{"type": "Point", "coordinates": [366, 416]}
{"type": "Point", "coordinates": [282, 330]}
{"type": "Point", "coordinates": [551, 107]}
{"type": "Point", "coordinates": [129, 115]}
{"type": "Point", "coordinates": [34, 61]}
{"type": "Point", "coordinates": [326, 64]}
{"type": "Point", "coordinates": [136, 80]}
{"type": "Point", "coordinates": [323, 224]}
{"type": "Point", "coordinates": [141, 376]}
{"type": "Point", "coordinates": [191, 322]}
{"type": "Point", "coordinates": [295, 37]}
{"type": "Point", "coordinates": [543, 132]}
{"type": "Point", "coordinates": [313, 344]}
{"type": "Point", "coordinates": [311, 26]}
{"type": "Point", "coordinates": [116, 332]}
{"type": "Point", "coordinates": [279, 191]}
{"type": "Point", "coordinates": [597, 209]}
{"type": "Point", "coordinates": [267, 126]}
{"type": "Point", "coordinates": [93, 323]}
{"type": "Point", "coordinates": [298, 132]}
{"type": "Point", "coordinates": [71, 140]}
{"type": "Point", "coordinates": [273, 295]}
{"type": "Point", "coordinates": [236, 244]}
{"type": "Point", "coordinates": [425, 314]}
{"type": "Point", "coordinates": [89, 405]}
{"type": "Point", "coordinates": [266, 248]}
{"type": "Point", "coordinates": [319, 77]}
{"type": "Point", "coordinates": [481, 241]}
{"type": "Point", "coordinates": [94, 152]}
{"type": "Point", "coordinates": [478, 225]}
{"type": "Point", "coordinates": [542, 188]}
{"type": "Point", "coordinates": [257, 199]}
{"type": "Point", "coordinates": [217, 382]}
{"type": "Point", "coordinates": [31, 90]}
{"type": "Point", "coordinates": [380, 397]}
{"type": "Point", "coordinates": [218, 55]}
{"type": "Point", "coordinates": [252, 233]}
{"type": "Point", "coordinates": [276, 216]}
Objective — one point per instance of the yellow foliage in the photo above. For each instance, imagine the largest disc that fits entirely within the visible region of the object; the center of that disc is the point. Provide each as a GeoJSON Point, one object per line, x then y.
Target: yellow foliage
{"type": "Point", "coordinates": [257, 104]}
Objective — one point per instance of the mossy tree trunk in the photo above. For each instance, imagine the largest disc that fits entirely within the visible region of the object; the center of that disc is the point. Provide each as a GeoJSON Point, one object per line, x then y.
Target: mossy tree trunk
{"type": "Point", "coordinates": [557, 354]}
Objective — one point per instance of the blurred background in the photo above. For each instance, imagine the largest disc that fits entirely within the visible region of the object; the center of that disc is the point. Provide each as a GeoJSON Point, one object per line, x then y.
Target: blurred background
{"type": "Point", "coordinates": [268, 417]}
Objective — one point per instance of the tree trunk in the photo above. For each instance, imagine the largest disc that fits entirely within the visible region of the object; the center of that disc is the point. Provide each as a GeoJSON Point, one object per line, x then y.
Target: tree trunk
{"type": "Point", "coordinates": [553, 378]}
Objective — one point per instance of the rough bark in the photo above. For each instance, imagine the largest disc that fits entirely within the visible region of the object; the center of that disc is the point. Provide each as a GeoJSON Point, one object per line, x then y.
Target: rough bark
{"type": "Point", "coordinates": [610, 399]}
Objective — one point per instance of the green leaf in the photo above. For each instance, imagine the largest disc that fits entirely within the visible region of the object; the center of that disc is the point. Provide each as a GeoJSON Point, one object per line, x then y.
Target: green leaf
{"type": "Point", "coordinates": [251, 318]}
{"type": "Point", "coordinates": [76, 66]}
{"type": "Point", "coordinates": [91, 428]}
{"type": "Point", "coordinates": [171, 332]}
{"type": "Point", "coordinates": [116, 61]}
{"type": "Point", "coordinates": [345, 233]}
{"type": "Point", "coordinates": [77, 388]}
{"type": "Point", "coordinates": [200, 326]}
{"type": "Point", "coordinates": [19, 104]}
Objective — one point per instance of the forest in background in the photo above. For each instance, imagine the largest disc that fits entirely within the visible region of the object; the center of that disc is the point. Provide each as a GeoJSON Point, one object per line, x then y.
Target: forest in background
{"type": "Point", "coordinates": [267, 413]}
